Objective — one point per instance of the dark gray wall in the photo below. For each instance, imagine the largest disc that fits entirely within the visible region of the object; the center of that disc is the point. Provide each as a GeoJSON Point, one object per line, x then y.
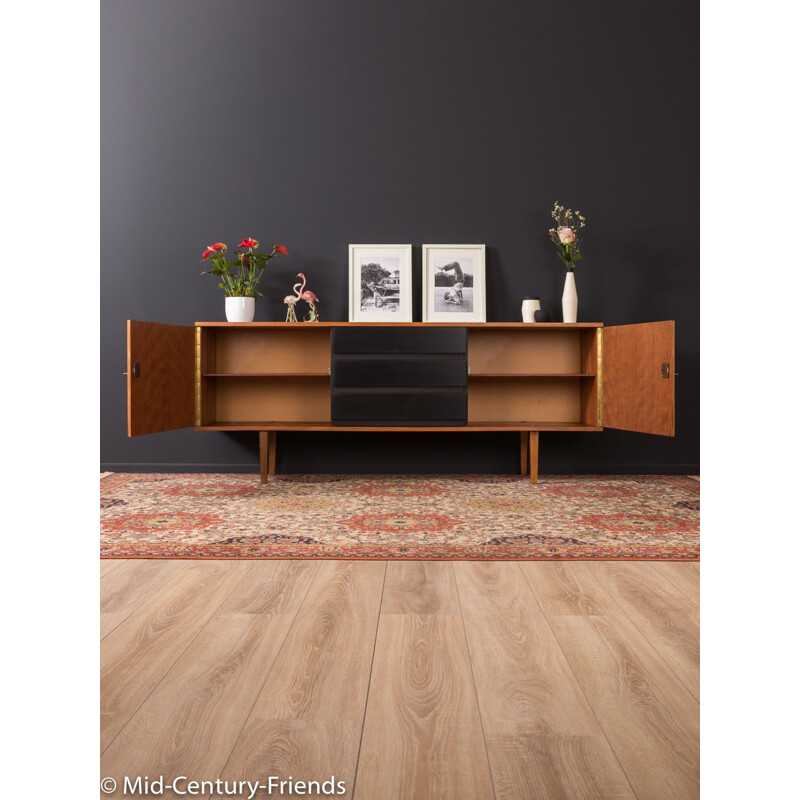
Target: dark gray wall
{"type": "Point", "coordinates": [317, 124]}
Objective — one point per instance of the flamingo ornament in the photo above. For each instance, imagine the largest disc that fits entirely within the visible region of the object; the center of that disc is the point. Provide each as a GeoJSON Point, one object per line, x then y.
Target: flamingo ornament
{"type": "Point", "coordinates": [310, 298]}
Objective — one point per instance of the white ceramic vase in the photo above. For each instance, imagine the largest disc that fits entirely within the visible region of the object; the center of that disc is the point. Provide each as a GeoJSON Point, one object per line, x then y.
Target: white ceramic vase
{"type": "Point", "coordinates": [240, 309]}
{"type": "Point", "coordinates": [529, 306]}
{"type": "Point", "coordinates": [569, 300]}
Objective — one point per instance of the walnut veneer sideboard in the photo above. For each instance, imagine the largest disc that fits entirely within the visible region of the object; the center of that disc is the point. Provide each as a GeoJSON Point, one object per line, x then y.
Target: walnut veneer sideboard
{"type": "Point", "coordinates": [275, 376]}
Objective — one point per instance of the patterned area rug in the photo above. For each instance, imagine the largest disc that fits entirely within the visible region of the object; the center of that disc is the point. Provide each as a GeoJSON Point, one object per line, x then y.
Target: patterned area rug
{"type": "Point", "coordinates": [400, 517]}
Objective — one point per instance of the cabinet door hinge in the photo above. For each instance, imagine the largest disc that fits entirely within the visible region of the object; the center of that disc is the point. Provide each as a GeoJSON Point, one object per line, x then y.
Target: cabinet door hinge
{"type": "Point", "coordinates": [665, 369]}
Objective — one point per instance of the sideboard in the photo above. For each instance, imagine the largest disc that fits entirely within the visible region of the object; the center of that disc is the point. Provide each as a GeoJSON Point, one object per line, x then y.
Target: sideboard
{"type": "Point", "coordinates": [269, 377]}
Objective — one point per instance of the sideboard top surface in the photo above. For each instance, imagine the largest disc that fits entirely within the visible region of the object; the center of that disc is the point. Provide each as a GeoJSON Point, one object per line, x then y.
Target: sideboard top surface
{"type": "Point", "coordinates": [318, 325]}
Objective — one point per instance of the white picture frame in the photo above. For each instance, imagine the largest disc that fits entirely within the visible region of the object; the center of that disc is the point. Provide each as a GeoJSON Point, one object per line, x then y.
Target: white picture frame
{"type": "Point", "coordinates": [380, 283]}
{"type": "Point", "coordinates": [452, 302]}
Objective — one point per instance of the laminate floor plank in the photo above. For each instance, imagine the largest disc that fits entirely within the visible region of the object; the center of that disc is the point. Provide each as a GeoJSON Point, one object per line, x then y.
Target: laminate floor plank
{"type": "Point", "coordinates": [408, 680]}
{"type": "Point", "coordinates": [190, 722]}
{"type": "Point", "coordinates": [422, 711]}
{"type": "Point", "coordinates": [562, 590]}
{"type": "Point", "coordinates": [109, 564]}
{"type": "Point", "coordinates": [542, 736]}
{"type": "Point", "coordinates": [307, 720]}
{"type": "Point", "coordinates": [131, 584]}
{"type": "Point", "coordinates": [650, 718]}
{"type": "Point", "coordinates": [668, 619]}
{"type": "Point", "coordinates": [140, 651]}
{"type": "Point", "coordinates": [266, 589]}
{"type": "Point", "coordinates": [420, 587]}
{"type": "Point", "coordinates": [685, 577]}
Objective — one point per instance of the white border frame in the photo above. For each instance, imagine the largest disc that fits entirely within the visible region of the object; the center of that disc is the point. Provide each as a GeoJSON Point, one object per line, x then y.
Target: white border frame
{"type": "Point", "coordinates": [478, 314]}
{"type": "Point", "coordinates": [405, 312]}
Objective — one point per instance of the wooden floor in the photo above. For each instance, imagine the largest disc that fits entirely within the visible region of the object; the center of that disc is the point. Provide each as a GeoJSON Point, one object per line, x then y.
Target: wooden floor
{"type": "Point", "coordinates": [418, 680]}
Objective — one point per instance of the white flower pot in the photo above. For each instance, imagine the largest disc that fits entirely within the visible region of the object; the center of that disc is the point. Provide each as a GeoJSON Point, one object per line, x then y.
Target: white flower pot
{"type": "Point", "coordinates": [240, 309]}
{"type": "Point", "coordinates": [569, 300]}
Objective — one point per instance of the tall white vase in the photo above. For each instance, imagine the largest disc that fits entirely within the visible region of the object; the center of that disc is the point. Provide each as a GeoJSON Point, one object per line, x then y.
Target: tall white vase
{"type": "Point", "coordinates": [240, 309]}
{"type": "Point", "coordinates": [569, 300]}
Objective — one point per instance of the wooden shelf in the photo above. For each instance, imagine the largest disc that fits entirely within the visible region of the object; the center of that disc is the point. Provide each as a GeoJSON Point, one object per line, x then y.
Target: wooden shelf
{"type": "Point", "coordinates": [532, 374]}
{"type": "Point", "coordinates": [266, 375]}
{"type": "Point", "coordinates": [471, 427]}
{"type": "Point", "coordinates": [315, 326]}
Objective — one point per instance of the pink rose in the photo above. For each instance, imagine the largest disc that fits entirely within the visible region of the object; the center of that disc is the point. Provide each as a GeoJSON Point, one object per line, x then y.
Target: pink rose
{"type": "Point", "coordinates": [566, 235]}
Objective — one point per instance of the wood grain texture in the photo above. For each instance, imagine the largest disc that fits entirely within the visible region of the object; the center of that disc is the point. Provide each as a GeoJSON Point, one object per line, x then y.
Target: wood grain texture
{"type": "Point", "coordinates": [664, 615]}
{"type": "Point", "coordinates": [470, 427]}
{"type": "Point", "coordinates": [529, 349]}
{"type": "Point", "coordinates": [139, 652]}
{"type": "Point", "coordinates": [533, 455]}
{"type": "Point", "coordinates": [649, 717]}
{"type": "Point", "coordinates": [288, 350]}
{"type": "Point", "coordinates": [127, 587]}
{"type": "Point", "coordinates": [502, 400]}
{"type": "Point", "coordinates": [207, 405]}
{"type": "Point", "coordinates": [287, 399]}
{"type": "Point", "coordinates": [685, 577]}
{"type": "Point", "coordinates": [190, 722]}
{"type": "Point", "coordinates": [635, 396]}
{"type": "Point", "coordinates": [244, 669]}
{"type": "Point", "coordinates": [542, 736]}
{"type": "Point", "coordinates": [109, 564]}
{"type": "Point", "coordinates": [422, 705]}
{"type": "Point", "coordinates": [308, 718]}
{"type": "Point", "coordinates": [419, 587]}
{"type": "Point", "coordinates": [271, 588]}
{"type": "Point", "coordinates": [313, 329]}
{"type": "Point", "coordinates": [563, 588]}
{"type": "Point", "coordinates": [162, 397]}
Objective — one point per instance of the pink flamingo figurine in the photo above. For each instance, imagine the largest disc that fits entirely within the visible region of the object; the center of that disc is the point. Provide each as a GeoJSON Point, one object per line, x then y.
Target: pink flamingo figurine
{"type": "Point", "coordinates": [309, 297]}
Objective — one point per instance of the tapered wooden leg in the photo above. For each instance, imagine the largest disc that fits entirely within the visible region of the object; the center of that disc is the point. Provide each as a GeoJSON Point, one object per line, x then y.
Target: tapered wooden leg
{"type": "Point", "coordinates": [534, 456]}
{"type": "Point", "coordinates": [273, 451]}
{"type": "Point", "coordinates": [523, 452]}
{"type": "Point", "coordinates": [263, 454]}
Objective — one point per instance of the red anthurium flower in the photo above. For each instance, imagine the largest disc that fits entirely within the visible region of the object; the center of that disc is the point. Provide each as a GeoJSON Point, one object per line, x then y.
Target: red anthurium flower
{"type": "Point", "coordinates": [218, 246]}
{"type": "Point", "coordinates": [207, 252]}
{"type": "Point", "coordinates": [248, 243]}
{"type": "Point", "coordinates": [279, 248]}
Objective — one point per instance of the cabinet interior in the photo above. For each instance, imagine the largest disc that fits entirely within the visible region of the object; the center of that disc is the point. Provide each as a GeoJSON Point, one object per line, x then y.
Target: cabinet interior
{"type": "Point", "coordinates": [519, 375]}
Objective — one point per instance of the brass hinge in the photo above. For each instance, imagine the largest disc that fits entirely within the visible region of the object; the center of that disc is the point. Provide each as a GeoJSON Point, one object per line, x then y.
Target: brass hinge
{"type": "Point", "coordinates": [665, 369]}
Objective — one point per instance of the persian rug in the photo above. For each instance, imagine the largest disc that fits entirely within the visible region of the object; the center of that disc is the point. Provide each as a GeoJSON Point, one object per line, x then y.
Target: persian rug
{"type": "Point", "coordinates": [400, 517]}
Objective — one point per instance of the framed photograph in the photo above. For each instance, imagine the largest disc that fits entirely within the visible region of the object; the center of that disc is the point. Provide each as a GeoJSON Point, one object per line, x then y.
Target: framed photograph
{"type": "Point", "coordinates": [454, 283]}
{"type": "Point", "coordinates": [380, 283]}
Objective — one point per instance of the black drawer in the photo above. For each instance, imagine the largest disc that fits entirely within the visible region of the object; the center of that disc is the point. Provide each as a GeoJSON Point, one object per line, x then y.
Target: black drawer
{"type": "Point", "coordinates": [392, 341]}
{"type": "Point", "coordinates": [399, 408]}
{"type": "Point", "coordinates": [412, 371]}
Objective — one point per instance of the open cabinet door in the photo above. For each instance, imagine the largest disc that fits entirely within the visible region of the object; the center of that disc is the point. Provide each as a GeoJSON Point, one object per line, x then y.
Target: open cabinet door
{"type": "Point", "coordinates": [160, 377]}
{"type": "Point", "coordinates": [639, 378]}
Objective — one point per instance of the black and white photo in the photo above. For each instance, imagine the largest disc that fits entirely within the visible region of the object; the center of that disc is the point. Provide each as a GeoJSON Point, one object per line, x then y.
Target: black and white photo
{"type": "Point", "coordinates": [453, 283]}
{"type": "Point", "coordinates": [380, 283]}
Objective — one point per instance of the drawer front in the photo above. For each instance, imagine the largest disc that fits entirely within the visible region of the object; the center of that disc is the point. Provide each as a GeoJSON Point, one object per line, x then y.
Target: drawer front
{"type": "Point", "coordinates": [392, 341]}
{"type": "Point", "coordinates": [399, 408]}
{"type": "Point", "coordinates": [419, 371]}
